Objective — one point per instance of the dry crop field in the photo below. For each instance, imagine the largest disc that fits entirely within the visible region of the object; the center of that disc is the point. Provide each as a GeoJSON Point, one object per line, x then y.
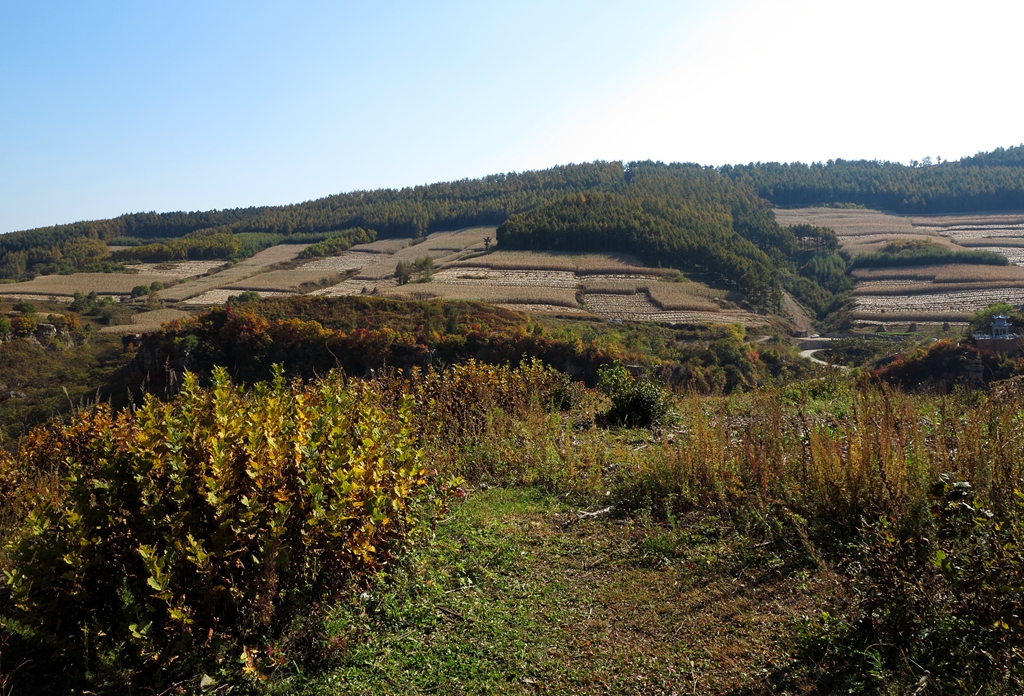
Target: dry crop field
{"type": "Point", "coordinates": [177, 269]}
{"type": "Point", "coordinates": [220, 296]}
{"type": "Point", "coordinates": [580, 264]}
{"type": "Point", "coordinates": [925, 293]}
{"type": "Point", "coordinates": [862, 231]}
{"type": "Point", "coordinates": [639, 307]}
{"type": "Point", "coordinates": [472, 275]}
{"type": "Point", "coordinates": [296, 280]}
{"type": "Point", "coordinates": [65, 285]}
{"type": "Point", "coordinates": [243, 269]}
{"type": "Point", "coordinates": [612, 286]}
{"type": "Point", "coordinates": [355, 287]}
{"type": "Point", "coordinates": [494, 294]}
{"type": "Point", "coordinates": [147, 321]}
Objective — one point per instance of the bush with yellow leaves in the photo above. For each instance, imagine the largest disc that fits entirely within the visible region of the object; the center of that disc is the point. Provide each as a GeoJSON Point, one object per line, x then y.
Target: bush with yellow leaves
{"type": "Point", "coordinates": [216, 518]}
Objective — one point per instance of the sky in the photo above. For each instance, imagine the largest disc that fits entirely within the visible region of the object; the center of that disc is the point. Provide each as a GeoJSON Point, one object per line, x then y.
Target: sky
{"type": "Point", "coordinates": [110, 107]}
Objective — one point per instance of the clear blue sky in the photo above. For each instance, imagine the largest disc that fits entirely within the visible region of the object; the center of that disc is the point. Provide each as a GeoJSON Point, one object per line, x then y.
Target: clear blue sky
{"type": "Point", "coordinates": [112, 107]}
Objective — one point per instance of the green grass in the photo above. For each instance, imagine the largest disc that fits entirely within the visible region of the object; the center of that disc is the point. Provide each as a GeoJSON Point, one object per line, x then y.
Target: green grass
{"type": "Point", "coordinates": [515, 594]}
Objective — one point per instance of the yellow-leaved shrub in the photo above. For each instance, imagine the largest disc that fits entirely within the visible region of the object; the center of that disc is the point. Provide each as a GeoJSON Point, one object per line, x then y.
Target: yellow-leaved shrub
{"type": "Point", "coordinates": [216, 517]}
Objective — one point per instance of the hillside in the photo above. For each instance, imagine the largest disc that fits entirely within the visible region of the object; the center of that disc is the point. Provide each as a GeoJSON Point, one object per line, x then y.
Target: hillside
{"type": "Point", "coordinates": [714, 223]}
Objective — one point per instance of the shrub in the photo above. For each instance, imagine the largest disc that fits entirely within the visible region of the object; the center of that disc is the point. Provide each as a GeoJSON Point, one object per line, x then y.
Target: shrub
{"type": "Point", "coordinates": [634, 402]}
{"type": "Point", "coordinates": [23, 326]}
{"type": "Point", "coordinates": [156, 286]}
{"type": "Point", "coordinates": [214, 519]}
{"type": "Point", "coordinates": [941, 611]}
{"type": "Point", "coordinates": [25, 308]}
{"type": "Point", "coordinates": [140, 291]}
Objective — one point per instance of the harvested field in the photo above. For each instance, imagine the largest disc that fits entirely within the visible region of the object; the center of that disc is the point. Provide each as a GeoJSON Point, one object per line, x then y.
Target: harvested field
{"type": "Point", "coordinates": [874, 243]}
{"type": "Point", "coordinates": [493, 294]}
{"type": "Point", "coordinates": [243, 269]}
{"type": "Point", "coordinates": [296, 280]}
{"type": "Point", "coordinates": [219, 297]}
{"type": "Point", "coordinates": [178, 269]}
{"type": "Point", "coordinates": [971, 219]}
{"type": "Point", "coordinates": [665, 296]}
{"type": "Point", "coordinates": [350, 287]}
{"type": "Point", "coordinates": [893, 319]}
{"type": "Point", "coordinates": [903, 287]}
{"type": "Point", "coordinates": [638, 307]}
{"type": "Point", "coordinates": [147, 321]}
{"type": "Point", "coordinates": [547, 309]}
{"type": "Point", "coordinates": [346, 261]}
{"type": "Point", "coordinates": [1014, 255]}
{"type": "Point", "coordinates": [580, 264]}
{"type": "Point", "coordinates": [383, 266]}
{"type": "Point", "coordinates": [473, 275]}
{"type": "Point", "coordinates": [849, 223]}
{"type": "Point", "coordinates": [950, 302]}
{"type": "Point", "coordinates": [1014, 242]}
{"type": "Point", "coordinates": [610, 285]}
{"type": "Point", "coordinates": [681, 296]}
{"type": "Point", "coordinates": [66, 285]}
{"type": "Point", "coordinates": [470, 239]}
{"type": "Point", "coordinates": [382, 246]}
{"type": "Point", "coordinates": [949, 273]}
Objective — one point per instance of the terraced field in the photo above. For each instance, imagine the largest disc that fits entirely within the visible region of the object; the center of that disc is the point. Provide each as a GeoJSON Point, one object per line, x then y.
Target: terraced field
{"type": "Point", "coordinates": [612, 286]}
{"type": "Point", "coordinates": [473, 275]}
{"type": "Point", "coordinates": [243, 269]}
{"type": "Point", "coordinates": [62, 287]}
{"type": "Point", "coordinates": [639, 307]}
{"type": "Point", "coordinates": [926, 293]}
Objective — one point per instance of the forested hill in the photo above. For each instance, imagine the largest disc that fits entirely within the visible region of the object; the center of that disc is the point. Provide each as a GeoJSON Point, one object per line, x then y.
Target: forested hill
{"type": "Point", "coordinates": [407, 212]}
{"type": "Point", "coordinates": [684, 216]}
{"type": "Point", "coordinates": [985, 182]}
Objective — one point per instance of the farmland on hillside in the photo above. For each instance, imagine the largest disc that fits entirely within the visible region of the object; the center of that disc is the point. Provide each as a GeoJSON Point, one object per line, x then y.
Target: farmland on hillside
{"type": "Point", "coordinates": [938, 292]}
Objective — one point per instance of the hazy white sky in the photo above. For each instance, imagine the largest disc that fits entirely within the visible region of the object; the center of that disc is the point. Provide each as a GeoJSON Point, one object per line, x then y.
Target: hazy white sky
{"type": "Point", "coordinates": [119, 106]}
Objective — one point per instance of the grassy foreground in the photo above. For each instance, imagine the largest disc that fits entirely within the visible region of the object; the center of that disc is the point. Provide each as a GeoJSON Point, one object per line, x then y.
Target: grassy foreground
{"type": "Point", "coordinates": [494, 531]}
{"type": "Point", "coordinates": [518, 593]}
